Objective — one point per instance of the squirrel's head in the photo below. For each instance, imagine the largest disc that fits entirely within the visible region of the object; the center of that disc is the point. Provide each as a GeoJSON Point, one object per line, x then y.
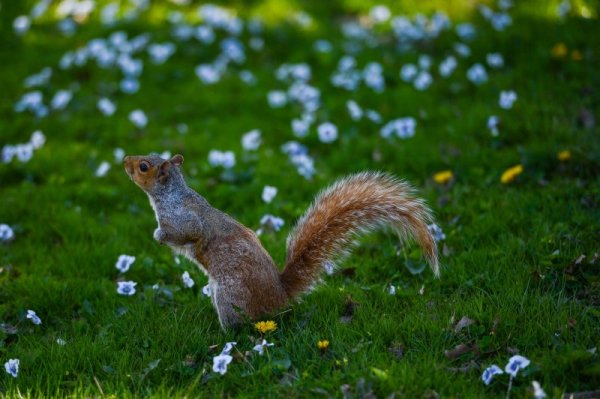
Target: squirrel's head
{"type": "Point", "coordinates": [151, 172]}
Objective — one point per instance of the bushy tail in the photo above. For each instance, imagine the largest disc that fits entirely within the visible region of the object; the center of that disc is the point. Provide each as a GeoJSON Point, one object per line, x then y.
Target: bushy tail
{"type": "Point", "coordinates": [357, 204]}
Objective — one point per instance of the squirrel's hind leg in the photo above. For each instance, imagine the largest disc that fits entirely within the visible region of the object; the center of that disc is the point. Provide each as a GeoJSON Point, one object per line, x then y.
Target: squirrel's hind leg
{"type": "Point", "coordinates": [226, 301]}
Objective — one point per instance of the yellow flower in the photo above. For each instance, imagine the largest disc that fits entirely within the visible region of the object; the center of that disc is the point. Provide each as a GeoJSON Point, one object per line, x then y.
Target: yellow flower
{"type": "Point", "coordinates": [443, 177]}
{"type": "Point", "coordinates": [266, 326]}
{"type": "Point", "coordinates": [511, 173]}
{"type": "Point", "coordinates": [559, 50]}
{"type": "Point", "coordinates": [576, 55]}
{"type": "Point", "coordinates": [323, 345]}
{"type": "Point", "coordinates": [564, 155]}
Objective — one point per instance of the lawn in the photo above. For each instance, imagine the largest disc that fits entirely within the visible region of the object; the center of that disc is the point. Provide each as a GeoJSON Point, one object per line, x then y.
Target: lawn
{"type": "Point", "coordinates": [491, 113]}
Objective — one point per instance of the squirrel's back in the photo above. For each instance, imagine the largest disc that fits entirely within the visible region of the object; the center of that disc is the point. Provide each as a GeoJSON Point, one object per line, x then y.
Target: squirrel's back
{"type": "Point", "coordinates": [354, 205]}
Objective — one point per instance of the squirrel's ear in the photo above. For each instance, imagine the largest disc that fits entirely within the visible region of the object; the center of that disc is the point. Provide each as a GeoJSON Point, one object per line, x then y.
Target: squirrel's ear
{"type": "Point", "coordinates": [177, 160]}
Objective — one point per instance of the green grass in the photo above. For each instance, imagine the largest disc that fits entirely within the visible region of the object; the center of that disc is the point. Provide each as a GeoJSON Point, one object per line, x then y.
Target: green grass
{"type": "Point", "coordinates": [506, 259]}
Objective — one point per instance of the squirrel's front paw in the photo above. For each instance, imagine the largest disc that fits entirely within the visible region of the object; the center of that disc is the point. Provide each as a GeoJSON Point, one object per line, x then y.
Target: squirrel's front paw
{"type": "Point", "coordinates": [159, 235]}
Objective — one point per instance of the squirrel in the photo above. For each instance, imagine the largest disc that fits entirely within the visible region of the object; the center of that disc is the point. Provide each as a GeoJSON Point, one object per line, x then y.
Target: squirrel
{"type": "Point", "coordinates": [243, 278]}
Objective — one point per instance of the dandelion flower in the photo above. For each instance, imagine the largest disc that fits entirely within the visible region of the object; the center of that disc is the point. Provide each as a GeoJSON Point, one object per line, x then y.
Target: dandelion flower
{"type": "Point", "coordinates": [511, 174]}
{"type": "Point", "coordinates": [559, 50]}
{"type": "Point", "coordinates": [443, 177]}
{"type": "Point", "coordinates": [564, 155]}
{"type": "Point", "coordinates": [12, 367]}
{"type": "Point", "coordinates": [34, 317]}
{"type": "Point", "coordinates": [489, 373]}
{"type": "Point", "coordinates": [323, 345]}
{"type": "Point", "coordinates": [265, 326]}
{"type": "Point", "coordinates": [516, 363]}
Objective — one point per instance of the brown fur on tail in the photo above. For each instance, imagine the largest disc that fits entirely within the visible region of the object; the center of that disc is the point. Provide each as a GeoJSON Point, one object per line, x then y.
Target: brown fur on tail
{"type": "Point", "coordinates": [357, 204]}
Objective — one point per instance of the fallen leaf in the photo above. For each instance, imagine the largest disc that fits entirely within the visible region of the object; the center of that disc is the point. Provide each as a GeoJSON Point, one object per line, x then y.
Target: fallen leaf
{"type": "Point", "coordinates": [463, 323]}
{"type": "Point", "coordinates": [460, 350]}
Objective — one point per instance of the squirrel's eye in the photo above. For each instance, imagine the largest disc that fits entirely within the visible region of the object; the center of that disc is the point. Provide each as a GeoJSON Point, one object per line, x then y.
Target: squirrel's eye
{"type": "Point", "coordinates": [144, 167]}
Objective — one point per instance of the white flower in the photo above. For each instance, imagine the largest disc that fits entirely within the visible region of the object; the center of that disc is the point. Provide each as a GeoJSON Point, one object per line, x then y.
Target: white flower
{"type": "Point", "coordinates": [408, 72]}
{"type": "Point", "coordinates": [354, 110]}
{"type": "Point", "coordinates": [204, 34]}
{"type": "Point", "coordinates": [562, 10]}
{"type": "Point", "coordinates": [492, 124]}
{"type": "Point", "coordinates": [208, 74]}
{"type": "Point", "coordinates": [226, 159]}
{"type": "Point", "coordinates": [495, 60]}
{"type": "Point", "coordinates": [187, 280]}
{"type": "Point", "coordinates": [488, 373]}
{"type": "Point", "coordinates": [322, 46]}
{"type": "Point", "coordinates": [6, 233]}
{"type": "Point", "coordinates": [103, 169]}
{"type": "Point", "coordinates": [61, 99]}
{"type": "Point", "coordinates": [129, 85]}
{"type": "Point", "coordinates": [277, 98]}
{"type": "Point", "coordinates": [329, 267]}
{"type": "Point", "coordinates": [425, 62]}
{"type": "Point", "coordinates": [300, 127]}
{"type": "Point", "coordinates": [21, 25]}
{"type": "Point", "coordinates": [124, 263]}
{"type": "Point", "coordinates": [423, 81]}
{"type": "Point", "coordinates": [269, 192]}
{"type": "Point", "coordinates": [327, 132]}
{"type": "Point", "coordinates": [206, 290]}
{"type": "Point", "coordinates": [251, 140]}
{"type": "Point", "coordinates": [447, 66]}
{"type": "Point", "coordinates": [61, 341]}
{"type": "Point", "coordinates": [106, 106]}
{"type": "Point", "coordinates": [462, 49]}
{"type": "Point", "coordinates": [380, 14]}
{"type": "Point", "coordinates": [34, 317]}
{"type": "Point", "coordinates": [228, 347]}
{"type": "Point", "coordinates": [538, 392]}
{"type": "Point", "coordinates": [138, 118]}
{"type": "Point", "coordinates": [270, 223]}
{"type": "Point", "coordinates": [126, 288]}
{"type": "Point", "coordinates": [466, 31]}
{"type": "Point", "coordinates": [247, 77]}
{"type": "Point", "coordinates": [507, 99]}
{"type": "Point", "coordinates": [37, 139]}
{"type": "Point", "coordinates": [436, 232]}
{"type": "Point", "coordinates": [159, 53]}
{"type": "Point", "coordinates": [12, 367]}
{"type": "Point", "coordinates": [403, 128]}
{"type": "Point", "coordinates": [392, 290]}
{"type": "Point", "coordinates": [516, 363]}
{"type": "Point", "coordinates": [220, 363]}
{"type": "Point", "coordinates": [477, 74]}
{"type": "Point", "coordinates": [373, 116]}
{"type": "Point", "coordinates": [119, 154]}
{"type": "Point", "coordinates": [260, 348]}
